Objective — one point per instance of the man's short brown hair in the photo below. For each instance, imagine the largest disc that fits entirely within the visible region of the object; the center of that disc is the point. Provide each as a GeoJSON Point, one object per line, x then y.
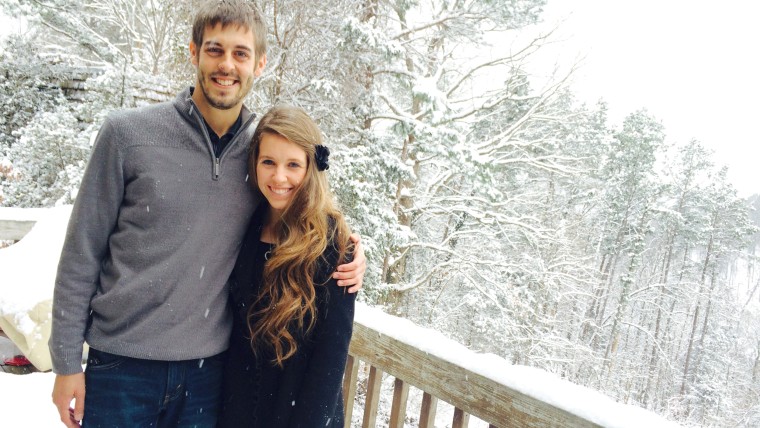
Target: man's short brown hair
{"type": "Point", "coordinates": [231, 12]}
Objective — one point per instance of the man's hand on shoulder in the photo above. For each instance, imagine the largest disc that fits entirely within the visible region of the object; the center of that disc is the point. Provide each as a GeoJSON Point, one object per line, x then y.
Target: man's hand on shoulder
{"type": "Point", "coordinates": [66, 388]}
{"type": "Point", "coordinates": [352, 274]}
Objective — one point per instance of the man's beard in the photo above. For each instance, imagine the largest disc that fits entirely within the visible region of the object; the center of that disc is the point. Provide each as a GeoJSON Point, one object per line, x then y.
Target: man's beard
{"type": "Point", "coordinates": [218, 103]}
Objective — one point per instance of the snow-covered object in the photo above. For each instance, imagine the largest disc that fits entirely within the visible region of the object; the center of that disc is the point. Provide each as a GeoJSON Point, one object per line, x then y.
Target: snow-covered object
{"type": "Point", "coordinates": [27, 275]}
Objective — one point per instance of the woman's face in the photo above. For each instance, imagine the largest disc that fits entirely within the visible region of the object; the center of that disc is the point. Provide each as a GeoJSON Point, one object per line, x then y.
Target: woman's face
{"type": "Point", "coordinates": [280, 169]}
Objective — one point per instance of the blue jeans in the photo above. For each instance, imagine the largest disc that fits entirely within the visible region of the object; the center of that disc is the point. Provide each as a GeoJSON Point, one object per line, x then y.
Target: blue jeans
{"type": "Point", "coordinates": [124, 392]}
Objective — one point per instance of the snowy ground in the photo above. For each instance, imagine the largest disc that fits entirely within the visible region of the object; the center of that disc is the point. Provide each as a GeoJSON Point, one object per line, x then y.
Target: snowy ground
{"type": "Point", "coordinates": [25, 401]}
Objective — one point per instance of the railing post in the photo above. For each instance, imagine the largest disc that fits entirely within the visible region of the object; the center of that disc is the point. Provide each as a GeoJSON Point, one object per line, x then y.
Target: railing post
{"type": "Point", "coordinates": [461, 419]}
{"type": "Point", "coordinates": [373, 396]}
{"type": "Point", "coordinates": [427, 413]}
{"type": "Point", "coordinates": [349, 389]}
{"type": "Point", "coordinates": [398, 409]}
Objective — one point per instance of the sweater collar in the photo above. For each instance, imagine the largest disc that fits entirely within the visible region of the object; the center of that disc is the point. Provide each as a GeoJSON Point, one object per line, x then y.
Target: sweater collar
{"type": "Point", "coordinates": [185, 105]}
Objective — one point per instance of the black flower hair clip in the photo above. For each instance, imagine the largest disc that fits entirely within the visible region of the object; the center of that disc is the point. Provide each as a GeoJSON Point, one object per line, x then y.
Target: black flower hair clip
{"type": "Point", "coordinates": [321, 156]}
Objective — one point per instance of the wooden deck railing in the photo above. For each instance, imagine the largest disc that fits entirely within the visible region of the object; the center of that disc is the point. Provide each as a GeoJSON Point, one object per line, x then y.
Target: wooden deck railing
{"type": "Point", "coordinates": [470, 393]}
{"type": "Point", "coordinates": [484, 394]}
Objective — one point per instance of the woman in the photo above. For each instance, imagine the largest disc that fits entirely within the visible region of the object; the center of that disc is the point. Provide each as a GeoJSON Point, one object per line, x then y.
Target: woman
{"type": "Point", "coordinates": [292, 322]}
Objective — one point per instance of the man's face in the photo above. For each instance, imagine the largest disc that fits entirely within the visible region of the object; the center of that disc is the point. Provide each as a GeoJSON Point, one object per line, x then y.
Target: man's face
{"type": "Point", "coordinates": [225, 66]}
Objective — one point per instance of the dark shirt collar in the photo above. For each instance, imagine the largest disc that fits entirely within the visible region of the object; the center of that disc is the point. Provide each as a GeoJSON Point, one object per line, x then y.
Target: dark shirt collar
{"type": "Point", "coordinates": [219, 143]}
{"type": "Point", "coordinates": [230, 132]}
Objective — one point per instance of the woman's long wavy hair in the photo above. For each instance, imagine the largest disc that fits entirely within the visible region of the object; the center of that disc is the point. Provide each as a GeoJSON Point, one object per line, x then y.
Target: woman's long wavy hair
{"type": "Point", "coordinates": [286, 308]}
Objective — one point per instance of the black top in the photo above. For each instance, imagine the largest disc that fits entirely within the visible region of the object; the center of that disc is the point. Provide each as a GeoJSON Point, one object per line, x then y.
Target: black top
{"type": "Point", "coordinates": [306, 392]}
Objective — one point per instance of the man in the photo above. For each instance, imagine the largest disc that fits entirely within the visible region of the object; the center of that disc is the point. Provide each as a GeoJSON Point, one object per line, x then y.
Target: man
{"type": "Point", "coordinates": [153, 236]}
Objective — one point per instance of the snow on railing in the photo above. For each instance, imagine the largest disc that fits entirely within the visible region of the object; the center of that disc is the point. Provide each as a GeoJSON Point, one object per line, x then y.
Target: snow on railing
{"type": "Point", "coordinates": [482, 385]}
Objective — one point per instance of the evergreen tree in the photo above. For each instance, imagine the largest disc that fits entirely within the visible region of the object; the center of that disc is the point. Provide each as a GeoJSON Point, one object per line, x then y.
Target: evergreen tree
{"type": "Point", "coordinates": [48, 160]}
{"type": "Point", "coordinates": [28, 87]}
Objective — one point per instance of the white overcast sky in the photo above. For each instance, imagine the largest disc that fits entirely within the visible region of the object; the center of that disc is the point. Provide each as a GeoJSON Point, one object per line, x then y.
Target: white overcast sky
{"type": "Point", "coordinates": [694, 64]}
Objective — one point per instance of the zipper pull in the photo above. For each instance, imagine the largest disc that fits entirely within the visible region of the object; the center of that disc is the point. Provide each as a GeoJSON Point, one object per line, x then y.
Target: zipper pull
{"type": "Point", "coordinates": [216, 168]}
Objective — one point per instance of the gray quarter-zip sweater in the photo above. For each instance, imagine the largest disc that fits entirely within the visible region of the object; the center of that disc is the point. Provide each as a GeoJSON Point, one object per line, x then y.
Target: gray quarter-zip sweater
{"type": "Point", "coordinates": [153, 236]}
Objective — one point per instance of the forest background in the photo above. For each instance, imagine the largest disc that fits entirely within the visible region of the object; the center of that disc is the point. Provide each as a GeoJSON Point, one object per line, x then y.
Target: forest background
{"type": "Point", "coordinates": [494, 207]}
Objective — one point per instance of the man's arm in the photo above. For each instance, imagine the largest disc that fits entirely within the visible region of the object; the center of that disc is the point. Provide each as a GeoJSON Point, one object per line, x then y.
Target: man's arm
{"type": "Point", "coordinates": [352, 274]}
{"type": "Point", "coordinates": [92, 219]}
